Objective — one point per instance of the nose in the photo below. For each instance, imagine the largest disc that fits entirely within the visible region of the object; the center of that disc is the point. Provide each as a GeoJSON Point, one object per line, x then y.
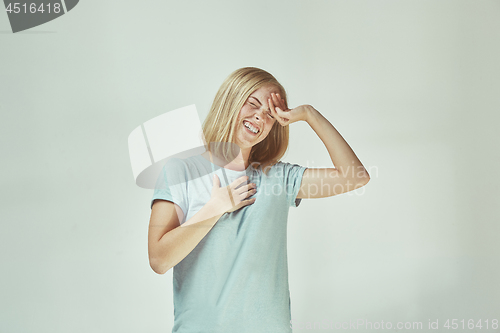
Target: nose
{"type": "Point", "coordinates": [259, 117]}
{"type": "Point", "coordinates": [260, 113]}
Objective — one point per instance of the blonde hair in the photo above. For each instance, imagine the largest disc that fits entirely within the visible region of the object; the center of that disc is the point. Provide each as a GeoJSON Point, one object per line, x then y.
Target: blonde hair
{"type": "Point", "coordinates": [219, 127]}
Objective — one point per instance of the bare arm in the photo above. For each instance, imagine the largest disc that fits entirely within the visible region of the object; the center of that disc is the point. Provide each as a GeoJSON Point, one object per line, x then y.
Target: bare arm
{"type": "Point", "coordinates": [348, 174]}
{"type": "Point", "coordinates": [169, 242]}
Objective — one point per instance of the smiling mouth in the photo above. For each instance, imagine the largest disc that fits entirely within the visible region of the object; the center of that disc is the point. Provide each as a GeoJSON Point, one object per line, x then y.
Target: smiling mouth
{"type": "Point", "coordinates": [250, 127]}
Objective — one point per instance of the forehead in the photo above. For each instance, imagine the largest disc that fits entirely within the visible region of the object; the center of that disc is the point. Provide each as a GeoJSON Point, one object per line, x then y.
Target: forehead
{"type": "Point", "coordinates": [265, 90]}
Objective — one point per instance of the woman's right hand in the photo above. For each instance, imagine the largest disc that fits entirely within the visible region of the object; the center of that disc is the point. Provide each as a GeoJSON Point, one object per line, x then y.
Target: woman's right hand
{"type": "Point", "coordinates": [232, 197]}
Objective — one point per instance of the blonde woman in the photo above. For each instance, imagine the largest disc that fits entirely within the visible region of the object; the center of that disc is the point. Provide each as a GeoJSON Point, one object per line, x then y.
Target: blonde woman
{"type": "Point", "coordinates": [220, 218]}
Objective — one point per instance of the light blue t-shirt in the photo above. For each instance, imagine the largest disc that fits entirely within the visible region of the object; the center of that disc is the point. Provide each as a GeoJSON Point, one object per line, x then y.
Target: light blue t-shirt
{"type": "Point", "coordinates": [236, 278]}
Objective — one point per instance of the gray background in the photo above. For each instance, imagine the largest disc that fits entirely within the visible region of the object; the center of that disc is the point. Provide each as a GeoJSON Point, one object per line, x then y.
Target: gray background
{"type": "Point", "coordinates": [411, 85]}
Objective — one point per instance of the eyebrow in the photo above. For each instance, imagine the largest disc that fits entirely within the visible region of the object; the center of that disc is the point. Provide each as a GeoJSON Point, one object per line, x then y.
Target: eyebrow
{"type": "Point", "coordinates": [268, 109]}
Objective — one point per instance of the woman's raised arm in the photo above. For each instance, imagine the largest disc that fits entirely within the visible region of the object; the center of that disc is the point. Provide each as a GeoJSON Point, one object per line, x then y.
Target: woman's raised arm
{"type": "Point", "coordinates": [348, 174]}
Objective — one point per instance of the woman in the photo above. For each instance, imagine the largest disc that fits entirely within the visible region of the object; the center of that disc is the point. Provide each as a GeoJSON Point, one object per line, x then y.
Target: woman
{"type": "Point", "coordinates": [227, 242]}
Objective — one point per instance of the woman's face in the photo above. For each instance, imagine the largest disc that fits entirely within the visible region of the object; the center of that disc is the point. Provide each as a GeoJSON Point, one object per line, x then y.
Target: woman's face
{"type": "Point", "coordinates": [255, 120]}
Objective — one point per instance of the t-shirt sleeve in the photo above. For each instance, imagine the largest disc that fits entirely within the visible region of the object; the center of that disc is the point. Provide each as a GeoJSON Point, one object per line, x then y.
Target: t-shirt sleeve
{"type": "Point", "coordinates": [293, 178]}
{"type": "Point", "coordinates": [171, 185]}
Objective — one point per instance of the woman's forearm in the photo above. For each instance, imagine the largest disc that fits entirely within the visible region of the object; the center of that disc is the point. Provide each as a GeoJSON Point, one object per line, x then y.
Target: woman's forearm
{"type": "Point", "coordinates": [341, 154]}
{"type": "Point", "coordinates": [176, 244]}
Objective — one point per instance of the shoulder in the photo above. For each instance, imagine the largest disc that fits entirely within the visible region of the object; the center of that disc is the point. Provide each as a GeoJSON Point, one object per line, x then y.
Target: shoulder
{"type": "Point", "coordinates": [175, 162]}
{"type": "Point", "coordinates": [184, 170]}
{"type": "Point", "coordinates": [180, 164]}
{"type": "Point", "coordinates": [286, 166]}
{"type": "Point", "coordinates": [285, 169]}
{"type": "Point", "coordinates": [174, 170]}
{"type": "Point", "coordinates": [173, 166]}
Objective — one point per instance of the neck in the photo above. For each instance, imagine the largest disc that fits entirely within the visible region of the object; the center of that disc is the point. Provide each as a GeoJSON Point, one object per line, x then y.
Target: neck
{"type": "Point", "coordinates": [242, 158]}
{"type": "Point", "coordinates": [240, 163]}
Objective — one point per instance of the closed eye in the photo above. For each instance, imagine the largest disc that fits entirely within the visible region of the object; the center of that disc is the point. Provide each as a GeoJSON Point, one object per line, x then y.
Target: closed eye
{"type": "Point", "coordinates": [255, 106]}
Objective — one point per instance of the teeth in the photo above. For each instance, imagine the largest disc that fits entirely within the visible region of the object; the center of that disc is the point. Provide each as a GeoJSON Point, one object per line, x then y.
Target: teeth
{"type": "Point", "coordinates": [250, 127]}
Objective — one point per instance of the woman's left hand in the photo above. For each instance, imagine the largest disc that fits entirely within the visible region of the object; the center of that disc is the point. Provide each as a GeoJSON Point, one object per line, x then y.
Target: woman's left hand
{"type": "Point", "coordinates": [283, 114]}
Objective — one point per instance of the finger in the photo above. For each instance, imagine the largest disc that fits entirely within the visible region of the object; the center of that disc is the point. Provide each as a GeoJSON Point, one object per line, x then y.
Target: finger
{"type": "Point", "coordinates": [216, 181]}
{"type": "Point", "coordinates": [239, 181]}
{"type": "Point", "coordinates": [283, 115]}
{"type": "Point", "coordinates": [278, 114]}
{"type": "Point", "coordinates": [250, 188]}
{"type": "Point", "coordinates": [280, 107]}
{"type": "Point", "coordinates": [250, 193]}
{"type": "Point", "coordinates": [280, 102]}
{"type": "Point", "coordinates": [276, 101]}
{"type": "Point", "coordinates": [248, 201]}
{"type": "Point", "coordinates": [284, 103]}
{"type": "Point", "coordinates": [274, 113]}
{"type": "Point", "coordinates": [271, 103]}
{"type": "Point", "coordinates": [244, 203]}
